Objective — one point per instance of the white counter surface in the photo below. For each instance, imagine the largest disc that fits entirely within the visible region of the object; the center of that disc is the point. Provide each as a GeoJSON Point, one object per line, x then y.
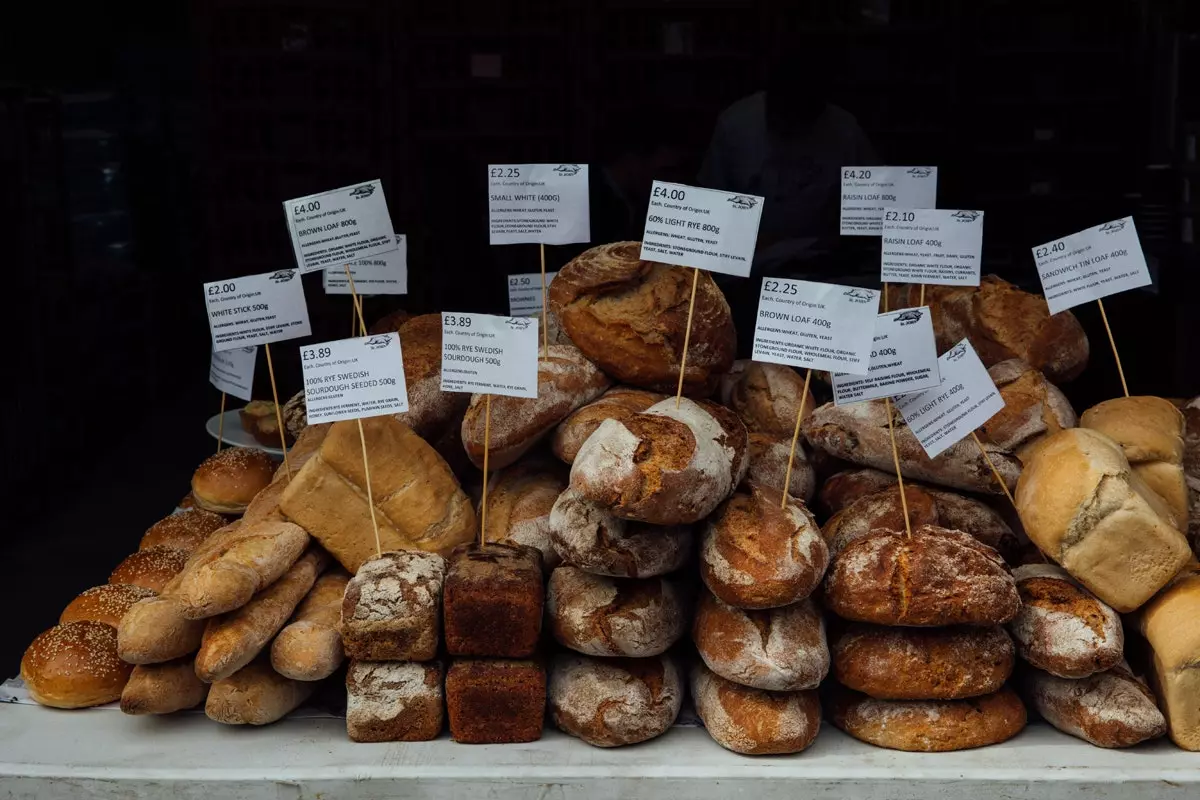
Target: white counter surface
{"type": "Point", "coordinates": [103, 753]}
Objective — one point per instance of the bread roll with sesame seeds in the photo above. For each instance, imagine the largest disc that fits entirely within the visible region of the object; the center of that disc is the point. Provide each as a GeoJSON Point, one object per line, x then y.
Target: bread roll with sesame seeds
{"type": "Point", "coordinates": [75, 666]}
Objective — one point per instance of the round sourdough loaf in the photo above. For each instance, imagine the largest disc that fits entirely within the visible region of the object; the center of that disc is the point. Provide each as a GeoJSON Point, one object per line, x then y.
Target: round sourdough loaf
{"type": "Point", "coordinates": [1033, 408]}
{"type": "Point", "coordinates": [843, 488]}
{"type": "Point", "coordinates": [890, 663]}
{"type": "Point", "coordinates": [929, 726]}
{"type": "Point", "coordinates": [769, 464]}
{"type": "Point", "coordinates": [430, 410]}
{"type": "Point", "coordinates": [1108, 709]}
{"type": "Point", "coordinates": [936, 577]}
{"type": "Point", "coordinates": [601, 616]}
{"type": "Point", "coordinates": [631, 316]}
{"type": "Point", "coordinates": [586, 535]}
{"type": "Point", "coordinates": [780, 649]}
{"type": "Point", "coordinates": [754, 721]}
{"type": "Point", "coordinates": [767, 397]}
{"type": "Point", "coordinates": [755, 554]}
{"type": "Point", "coordinates": [609, 702]}
{"type": "Point", "coordinates": [75, 666]}
{"type": "Point", "coordinates": [619, 403]}
{"type": "Point", "coordinates": [1062, 627]}
{"type": "Point", "coordinates": [520, 498]}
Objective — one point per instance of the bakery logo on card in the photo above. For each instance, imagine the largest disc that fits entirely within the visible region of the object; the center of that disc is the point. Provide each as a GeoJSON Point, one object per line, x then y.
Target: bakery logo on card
{"type": "Point", "coordinates": [743, 202]}
{"type": "Point", "coordinates": [920, 172]}
{"type": "Point", "coordinates": [965, 216]}
{"type": "Point", "coordinates": [364, 191]}
{"type": "Point", "coordinates": [567, 170]}
{"type": "Point", "coordinates": [858, 297]}
{"type": "Point", "coordinates": [377, 342]}
{"type": "Point", "coordinates": [958, 352]}
{"type": "Point", "coordinates": [1113, 227]}
{"type": "Point", "coordinates": [909, 317]}
{"type": "Point", "coordinates": [518, 323]}
{"type": "Point", "coordinates": [283, 276]}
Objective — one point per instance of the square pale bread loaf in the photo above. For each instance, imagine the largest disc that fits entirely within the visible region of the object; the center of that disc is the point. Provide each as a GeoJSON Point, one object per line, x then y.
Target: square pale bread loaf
{"type": "Point", "coordinates": [1171, 623]}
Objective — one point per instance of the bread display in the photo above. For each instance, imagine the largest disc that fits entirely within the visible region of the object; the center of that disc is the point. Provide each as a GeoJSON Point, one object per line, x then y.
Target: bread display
{"type": "Point", "coordinates": [1107, 709]}
{"type": "Point", "coordinates": [309, 648]}
{"type": "Point", "coordinates": [492, 602]}
{"type": "Point", "coordinates": [227, 481]}
{"type": "Point", "coordinates": [767, 397]}
{"type": "Point", "coordinates": [610, 702]}
{"type": "Point", "coordinates": [566, 381]}
{"type": "Point", "coordinates": [260, 420]}
{"type": "Point", "coordinates": [619, 403]}
{"type": "Point", "coordinates": [753, 721]}
{"type": "Point", "coordinates": [950, 663]}
{"type": "Point", "coordinates": [394, 701]}
{"type": "Point", "coordinates": [163, 688]}
{"type": "Point", "coordinates": [1033, 409]}
{"type": "Point", "coordinates": [935, 577]}
{"type": "Point", "coordinates": [520, 498]}
{"type": "Point", "coordinates": [780, 649]}
{"type": "Point", "coordinates": [107, 603]}
{"type": "Point", "coordinates": [601, 616]}
{"type": "Point", "coordinates": [1083, 505]}
{"type": "Point", "coordinates": [495, 701]}
{"type": "Point", "coordinates": [75, 666]}
{"type": "Point", "coordinates": [255, 695]}
{"type": "Point", "coordinates": [630, 317]}
{"type": "Point", "coordinates": [929, 726]}
{"type": "Point", "coordinates": [151, 568]}
{"type": "Point", "coordinates": [182, 531]}
{"type": "Point", "coordinates": [1169, 624]}
{"type": "Point", "coordinates": [418, 502]}
{"type": "Point", "coordinates": [1062, 627]}
{"type": "Point", "coordinates": [391, 610]}
{"type": "Point", "coordinates": [430, 410]}
{"type": "Point", "coordinates": [755, 554]}
{"type": "Point", "coordinates": [769, 466]}
{"type": "Point", "coordinates": [586, 535]}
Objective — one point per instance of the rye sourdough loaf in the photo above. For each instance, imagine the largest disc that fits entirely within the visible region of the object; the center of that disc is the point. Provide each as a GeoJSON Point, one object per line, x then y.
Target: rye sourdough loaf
{"type": "Point", "coordinates": [1171, 624]}
{"type": "Point", "coordinates": [392, 609]}
{"type": "Point", "coordinates": [609, 702]}
{"type": "Point", "coordinates": [1033, 408]}
{"type": "Point", "coordinates": [769, 455]}
{"type": "Point", "coordinates": [1107, 709]}
{"type": "Point", "coordinates": [754, 721]}
{"type": "Point", "coordinates": [929, 726]}
{"type": "Point", "coordinates": [630, 317]}
{"type": "Point", "coordinates": [843, 488]}
{"type": "Point", "coordinates": [588, 536]}
{"type": "Point", "coordinates": [619, 403]}
{"type": "Point", "coordinates": [520, 498]}
{"type": "Point", "coordinates": [767, 397]}
{"type": "Point", "coordinates": [430, 410]}
{"type": "Point", "coordinates": [601, 616]}
{"type": "Point", "coordinates": [394, 701]}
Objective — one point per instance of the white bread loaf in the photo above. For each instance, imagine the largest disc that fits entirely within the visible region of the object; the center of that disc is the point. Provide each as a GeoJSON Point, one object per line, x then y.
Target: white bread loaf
{"type": "Point", "coordinates": [1062, 627]}
{"type": "Point", "coordinates": [1171, 624]}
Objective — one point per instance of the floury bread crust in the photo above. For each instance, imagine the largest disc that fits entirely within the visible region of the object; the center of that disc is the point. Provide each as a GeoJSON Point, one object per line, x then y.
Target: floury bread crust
{"type": "Point", "coordinates": [754, 721]}
{"type": "Point", "coordinates": [610, 702]}
{"type": "Point", "coordinates": [1062, 627]}
{"type": "Point", "coordinates": [520, 499]}
{"type": "Point", "coordinates": [1108, 709]}
{"type": "Point", "coordinates": [601, 616]}
{"type": "Point", "coordinates": [391, 610]}
{"type": "Point", "coordinates": [929, 726]}
{"type": "Point", "coordinates": [588, 536]}
{"type": "Point", "coordinates": [619, 403]}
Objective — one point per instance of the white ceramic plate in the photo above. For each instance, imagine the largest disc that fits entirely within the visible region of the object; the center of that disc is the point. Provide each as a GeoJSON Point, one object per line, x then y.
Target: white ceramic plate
{"type": "Point", "coordinates": [235, 435]}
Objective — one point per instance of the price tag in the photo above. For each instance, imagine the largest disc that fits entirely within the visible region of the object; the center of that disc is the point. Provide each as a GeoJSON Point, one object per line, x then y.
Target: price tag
{"type": "Point", "coordinates": [256, 309]}
{"type": "Point", "coordinates": [525, 293]}
{"type": "Point", "coordinates": [932, 245]}
{"type": "Point", "coordinates": [867, 191]}
{"type": "Point", "coordinates": [484, 354]}
{"type": "Point", "coordinates": [342, 225]}
{"type": "Point", "coordinates": [1091, 265]}
{"type": "Point", "coordinates": [354, 378]}
{"type": "Point", "coordinates": [965, 399]}
{"type": "Point", "coordinates": [546, 203]}
{"type": "Point", "coordinates": [382, 274]}
{"type": "Point", "coordinates": [817, 325]}
{"type": "Point", "coordinates": [903, 359]}
{"type": "Point", "coordinates": [693, 227]}
{"type": "Point", "coordinates": [232, 371]}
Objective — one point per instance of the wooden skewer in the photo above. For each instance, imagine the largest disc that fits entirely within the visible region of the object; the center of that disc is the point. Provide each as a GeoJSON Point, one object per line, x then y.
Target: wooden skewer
{"type": "Point", "coordinates": [487, 441]}
{"type": "Point", "coordinates": [687, 335]}
{"type": "Point", "coordinates": [1112, 342]}
{"type": "Point", "coordinates": [357, 301]}
{"type": "Point", "coordinates": [921, 302]}
{"type": "Point", "coordinates": [545, 327]}
{"type": "Point", "coordinates": [221, 423]}
{"type": "Point", "coordinates": [787, 478]}
{"type": "Point", "coordinates": [887, 401]}
{"type": "Point", "coordinates": [287, 466]}
{"type": "Point", "coordinates": [995, 471]}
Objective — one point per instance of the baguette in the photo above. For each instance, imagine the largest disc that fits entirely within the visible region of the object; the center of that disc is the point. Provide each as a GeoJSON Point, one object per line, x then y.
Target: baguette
{"type": "Point", "coordinates": [309, 648]}
{"type": "Point", "coordinates": [163, 688]}
{"type": "Point", "coordinates": [255, 695]}
{"type": "Point", "coordinates": [154, 630]}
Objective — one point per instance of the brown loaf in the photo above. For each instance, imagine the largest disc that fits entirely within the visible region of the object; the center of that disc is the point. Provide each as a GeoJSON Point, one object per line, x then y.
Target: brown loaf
{"type": "Point", "coordinates": [183, 531]}
{"type": "Point", "coordinates": [1170, 624]}
{"type": "Point", "coordinates": [753, 721]}
{"type": "Point", "coordinates": [391, 609]}
{"type": "Point", "coordinates": [430, 410]}
{"type": "Point", "coordinates": [394, 701]}
{"type": "Point", "coordinates": [1002, 322]}
{"type": "Point", "coordinates": [151, 568]}
{"type": "Point", "coordinates": [936, 577]}
{"type": "Point", "coordinates": [767, 398]}
{"type": "Point", "coordinates": [671, 464]}
{"type": "Point", "coordinates": [890, 663]}
{"type": "Point", "coordinates": [601, 616]}
{"type": "Point", "coordinates": [1033, 409]}
{"type": "Point", "coordinates": [630, 317]}
{"type": "Point", "coordinates": [520, 498]}
{"type": "Point", "coordinates": [309, 648]}
{"type": "Point", "coordinates": [227, 481]}
{"type": "Point", "coordinates": [107, 603]}
{"type": "Point", "coordinates": [163, 688]}
{"type": "Point", "coordinates": [255, 695]}
{"type": "Point", "coordinates": [1108, 709]}
{"type": "Point", "coordinates": [75, 666]}
{"type": "Point", "coordinates": [586, 535]}
{"type": "Point", "coordinates": [780, 649]}
{"type": "Point", "coordinates": [295, 414]}
{"type": "Point", "coordinates": [619, 403]}
{"type": "Point", "coordinates": [843, 488]}
{"type": "Point", "coordinates": [609, 702]}
{"type": "Point", "coordinates": [755, 554]}
{"type": "Point", "coordinates": [769, 465]}
{"type": "Point", "coordinates": [1062, 627]}
{"type": "Point", "coordinates": [389, 323]}
{"type": "Point", "coordinates": [929, 726]}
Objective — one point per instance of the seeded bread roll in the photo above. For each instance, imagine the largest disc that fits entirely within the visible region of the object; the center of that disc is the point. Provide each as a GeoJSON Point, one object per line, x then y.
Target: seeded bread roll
{"type": "Point", "coordinates": [610, 702]}
{"type": "Point", "coordinates": [1062, 627]}
{"type": "Point", "coordinates": [753, 721]}
{"type": "Point", "coordinates": [669, 465]}
{"type": "Point", "coordinates": [182, 531]}
{"type": "Point", "coordinates": [163, 688]}
{"type": "Point", "coordinates": [952, 663]}
{"type": "Point", "coordinates": [227, 481]}
{"type": "Point", "coordinates": [1033, 409]}
{"type": "Point", "coordinates": [519, 501]}
{"type": "Point", "coordinates": [936, 577]}
{"type": "Point", "coordinates": [75, 666]}
{"type": "Point", "coordinates": [566, 381]}
{"type": "Point", "coordinates": [107, 603]}
{"type": "Point", "coordinates": [151, 568]}
{"type": "Point", "coordinates": [767, 398]}
{"type": "Point", "coordinates": [769, 462]}
{"type": "Point", "coordinates": [586, 535]}
{"type": "Point", "coordinates": [781, 649]}
{"type": "Point", "coordinates": [619, 403]}
{"type": "Point", "coordinates": [601, 616]}
{"type": "Point", "coordinates": [1107, 709]}
{"type": "Point", "coordinates": [929, 726]}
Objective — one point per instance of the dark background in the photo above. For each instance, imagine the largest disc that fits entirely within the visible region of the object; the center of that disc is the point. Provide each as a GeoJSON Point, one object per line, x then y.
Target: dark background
{"type": "Point", "coordinates": [145, 151]}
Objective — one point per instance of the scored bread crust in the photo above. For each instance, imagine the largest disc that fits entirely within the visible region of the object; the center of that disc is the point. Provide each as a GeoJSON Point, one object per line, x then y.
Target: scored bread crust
{"type": "Point", "coordinates": [1033, 408]}
{"type": "Point", "coordinates": [1108, 709]}
{"type": "Point", "coordinates": [584, 534]}
{"type": "Point", "coordinates": [601, 616]}
{"type": "Point", "coordinates": [619, 403]}
{"type": "Point", "coordinates": [929, 726]}
{"type": "Point", "coordinates": [753, 721]}
{"type": "Point", "coordinates": [610, 702]}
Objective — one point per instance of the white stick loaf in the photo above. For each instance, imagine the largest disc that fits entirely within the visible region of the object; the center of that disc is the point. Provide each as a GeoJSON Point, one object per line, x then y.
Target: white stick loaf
{"type": "Point", "coordinates": [1108, 709]}
{"type": "Point", "coordinates": [586, 535]}
{"type": "Point", "coordinates": [609, 702]}
{"type": "Point", "coordinates": [163, 688]}
{"type": "Point", "coordinates": [767, 397]}
{"type": "Point", "coordinates": [754, 721]}
{"type": "Point", "coordinates": [418, 502]}
{"type": "Point", "coordinates": [255, 695]}
{"type": "Point", "coordinates": [1033, 409]}
{"type": "Point", "coordinates": [858, 432]}
{"type": "Point", "coordinates": [154, 630]}
{"type": "Point", "coordinates": [519, 501]}
{"type": "Point", "coordinates": [601, 616]}
{"type": "Point", "coordinates": [309, 648]}
{"type": "Point", "coordinates": [566, 381]}
{"type": "Point", "coordinates": [1083, 505]}
{"type": "Point", "coordinates": [665, 466]}
{"type": "Point", "coordinates": [1171, 624]}
{"type": "Point", "coordinates": [780, 649]}
{"type": "Point", "coordinates": [1062, 627]}
{"type": "Point", "coordinates": [619, 402]}
{"type": "Point", "coordinates": [1150, 430]}
{"type": "Point", "coordinates": [768, 459]}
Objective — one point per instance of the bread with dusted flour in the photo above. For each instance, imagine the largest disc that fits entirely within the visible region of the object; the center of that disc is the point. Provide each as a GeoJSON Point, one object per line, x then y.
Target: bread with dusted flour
{"type": "Point", "coordinates": [619, 403]}
{"type": "Point", "coordinates": [394, 701]}
{"type": "Point", "coordinates": [1033, 409]}
{"type": "Point", "coordinates": [1107, 709]}
{"type": "Point", "coordinates": [392, 609]}
{"type": "Point", "coordinates": [588, 536]}
{"type": "Point", "coordinates": [843, 488]}
{"type": "Point", "coordinates": [768, 458]}
{"type": "Point", "coordinates": [754, 721]}
{"type": "Point", "coordinates": [767, 397]}
{"type": "Point", "coordinates": [601, 616]}
{"type": "Point", "coordinates": [520, 498]}
{"type": "Point", "coordinates": [610, 702]}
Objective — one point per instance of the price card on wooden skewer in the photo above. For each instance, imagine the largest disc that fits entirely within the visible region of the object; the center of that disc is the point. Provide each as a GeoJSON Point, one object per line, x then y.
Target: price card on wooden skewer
{"type": "Point", "coordinates": [1091, 264]}
{"type": "Point", "coordinates": [815, 325]}
{"type": "Point", "coordinates": [705, 228]}
{"type": "Point", "coordinates": [538, 204]}
{"type": "Point", "coordinates": [256, 309]}
{"type": "Point", "coordinates": [386, 273]}
{"type": "Point", "coordinates": [339, 226]}
{"type": "Point", "coordinates": [525, 293]}
{"type": "Point", "coordinates": [232, 371]}
{"type": "Point", "coordinates": [867, 191]}
{"type": "Point", "coordinates": [932, 245]}
{"type": "Point", "coordinates": [354, 378]}
{"type": "Point", "coordinates": [903, 359]}
{"type": "Point", "coordinates": [486, 354]}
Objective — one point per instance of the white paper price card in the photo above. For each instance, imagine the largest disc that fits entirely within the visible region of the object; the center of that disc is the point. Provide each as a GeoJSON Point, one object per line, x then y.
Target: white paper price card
{"type": "Point", "coordinates": [484, 354]}
{"type": "Point", "coordinates": [965, 399]}
{"type": "Point", "coordinates": [817, 325]}
{"type": "Point", "coordinates": [232, 371]}
{"type": "Point", "coordinates": [525, 293]}
{"type": "Point", "coordinates": [342, 225]}
{"type": "Point", "coordinates": [546, 203]}
{"type": "Point", "coordinates": [903, 359]}
{"type": "Point", "coordinates": [705, 228]}
{"type": "Point", "coordinates": [932, 245]}
{"type": "Point", "coordinates": [1091, 265]}
{"type": "Point", "coordinates": [354, 378]}
{"type": "Point", "coordinates": [382, 274]}
{"type": "Point", "coordinates": [867, 191]}
{"type": "Point", "coordinates": [256, 309]}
